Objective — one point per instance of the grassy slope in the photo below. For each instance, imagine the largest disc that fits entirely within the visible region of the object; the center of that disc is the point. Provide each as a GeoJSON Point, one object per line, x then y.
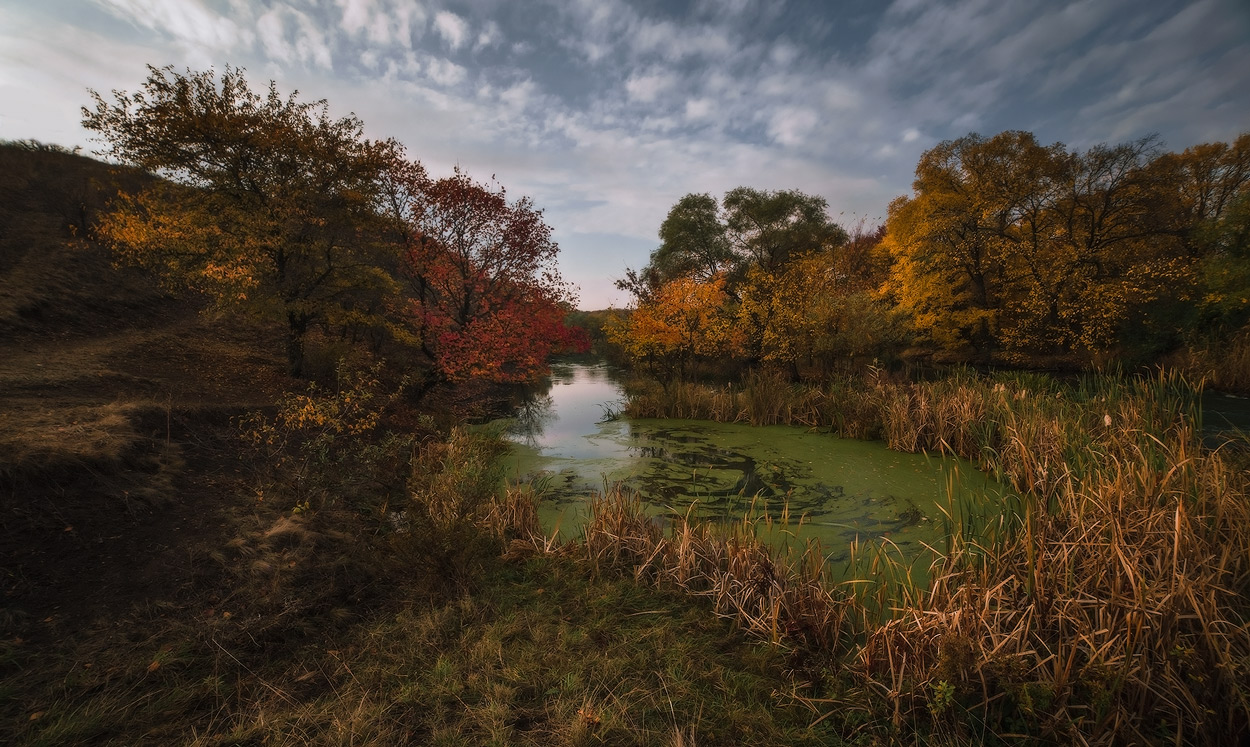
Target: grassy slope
{"type": "Point", "coordinates": [150, 597]}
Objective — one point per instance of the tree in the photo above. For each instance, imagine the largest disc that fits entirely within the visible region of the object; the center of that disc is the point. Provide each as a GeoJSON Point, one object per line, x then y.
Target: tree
{"type": "Point", "coordinates": [1010, 245]}
{"type": "Point", "coordinates": [683, 321]}
{"type": "Point", "coordinates": [768, 229]}
{"type": "Point", "coordinates": [484, 297]}
{"type": "Point", "coordinates": [1211, 178]}
{"type": "Point", "coordinates": [813, 313]}
{"type": "Point", "coordinates": [701, 239]}
{"type": "Point", "coordinates": [1224, 308]}
{"type": "Point", "coordinates": [267, 204]}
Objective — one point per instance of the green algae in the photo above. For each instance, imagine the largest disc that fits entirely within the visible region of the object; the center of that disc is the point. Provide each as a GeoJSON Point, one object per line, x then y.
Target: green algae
{"type": "Point", "coordinates": [838, 491]}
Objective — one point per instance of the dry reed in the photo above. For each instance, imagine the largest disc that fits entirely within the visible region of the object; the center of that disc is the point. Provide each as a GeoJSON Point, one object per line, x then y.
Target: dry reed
{"type": "Point", "coordinates": [1112, 607]}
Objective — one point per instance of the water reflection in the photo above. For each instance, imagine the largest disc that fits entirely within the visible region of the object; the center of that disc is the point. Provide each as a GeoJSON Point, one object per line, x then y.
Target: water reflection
{"type": "Point", "coordinates": [562, 417]}
{"type": "Point", "coordinates": [1225, 417]}
{"type": "Point", "coordinates": [532, 417]}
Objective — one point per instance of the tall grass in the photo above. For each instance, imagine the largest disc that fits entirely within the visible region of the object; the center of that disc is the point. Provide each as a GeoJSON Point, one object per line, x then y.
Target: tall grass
{"type": "Point", "coordinates": [1226, 365]}
{"type": "Point", "coordinates": [1112, 606]}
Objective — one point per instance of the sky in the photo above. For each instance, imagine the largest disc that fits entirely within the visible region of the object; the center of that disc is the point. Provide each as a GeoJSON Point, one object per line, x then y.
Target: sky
{"type": "Point", "coordinates": [606, 112]}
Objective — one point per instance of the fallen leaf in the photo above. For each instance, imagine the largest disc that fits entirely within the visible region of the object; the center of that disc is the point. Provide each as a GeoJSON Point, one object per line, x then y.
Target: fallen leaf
{"type": "Point", "coordinates": [155, 665]}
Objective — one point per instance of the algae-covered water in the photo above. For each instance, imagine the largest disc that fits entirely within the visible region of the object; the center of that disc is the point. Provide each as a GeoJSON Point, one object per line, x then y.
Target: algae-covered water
{"type": "Point", "coordinates": [570, 444]}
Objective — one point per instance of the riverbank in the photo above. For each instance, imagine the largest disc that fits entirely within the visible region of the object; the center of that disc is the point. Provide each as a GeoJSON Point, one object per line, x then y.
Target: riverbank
{"type": "Point", "coordinates": [323, 570]}
{"type": "Point", "coordinates": [1115, 609]}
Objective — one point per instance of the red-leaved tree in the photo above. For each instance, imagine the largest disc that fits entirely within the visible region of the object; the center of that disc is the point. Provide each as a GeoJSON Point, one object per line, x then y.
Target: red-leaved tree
{"type": "Point", "coordinates": [486, 300]}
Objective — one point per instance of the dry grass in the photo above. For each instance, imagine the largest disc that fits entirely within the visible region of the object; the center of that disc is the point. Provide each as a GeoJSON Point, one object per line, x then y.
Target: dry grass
{"type": "Point", "coordinates": [35, 439]}
{"type": "Point", "coordinates": [1225, 367]}
{"type": "Point", "coordinates": [1114, 607]}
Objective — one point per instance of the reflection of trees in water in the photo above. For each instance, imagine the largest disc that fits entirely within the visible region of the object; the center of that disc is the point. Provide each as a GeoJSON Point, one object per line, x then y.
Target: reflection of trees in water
{"type": "Point", "coordinates": [534, 414]}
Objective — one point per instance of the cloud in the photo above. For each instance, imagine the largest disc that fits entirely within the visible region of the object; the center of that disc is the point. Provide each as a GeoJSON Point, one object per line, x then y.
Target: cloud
{"type": "Point", "coordinates": [646, 88]}
{"type": "Point", "coordinates": [699, 109]}
{"type": "Point", "coordinates": [444, 72]}
{"type": "Point", "coordinates": [489, 36]}
{"type": "Point", "coordinates": [357, 14]}
{"type": "Point", "coordinates": [791, 126]}
{"type": "Point", "coordinates": [452, 28]}
{"type": "Point", "coordinates": [673, 43]}
{"type": "Point", "coordinates": [289, 36]}
{"type": "Point", "coordinates": [186, 20]}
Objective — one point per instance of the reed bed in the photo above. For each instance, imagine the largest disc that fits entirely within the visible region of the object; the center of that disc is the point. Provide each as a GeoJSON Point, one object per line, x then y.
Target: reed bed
{"type": "Point", "coordinates": [1226, 366]}
{"type": "Point", "coordinates": [1111, 607]}
{"type": "Point", "coordinates": [778, 597]}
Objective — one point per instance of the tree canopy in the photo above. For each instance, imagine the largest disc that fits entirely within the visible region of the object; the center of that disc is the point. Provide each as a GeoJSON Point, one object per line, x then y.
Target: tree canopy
{"type": "Point", "coordinates": [1008, 244]}
{"type": "Point", "coordinates": [271, 206]}
{"type": "Point", "coordinates": [267, 203]}
{"type": "Point", "coordinates": [701, 238]}
{"type": "Point", "coordinates": [485, 299]}
{"type": "Point", "coordinates": [1007, 250]}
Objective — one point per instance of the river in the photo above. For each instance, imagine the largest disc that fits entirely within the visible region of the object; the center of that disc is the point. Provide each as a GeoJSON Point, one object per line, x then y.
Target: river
{"type": "Point", "coordinates": [569, 443]}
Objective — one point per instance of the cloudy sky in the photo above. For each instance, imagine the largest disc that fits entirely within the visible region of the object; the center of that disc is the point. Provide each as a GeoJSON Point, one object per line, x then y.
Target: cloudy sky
{"type": "Point", "coordinates": [605, 112]}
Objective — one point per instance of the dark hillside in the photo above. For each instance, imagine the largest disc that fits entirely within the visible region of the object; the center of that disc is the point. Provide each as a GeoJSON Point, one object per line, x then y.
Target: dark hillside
{"type": "Point", "coordinates": [115, 400]}
{"type": "Point", "coordinates": [53, 281]}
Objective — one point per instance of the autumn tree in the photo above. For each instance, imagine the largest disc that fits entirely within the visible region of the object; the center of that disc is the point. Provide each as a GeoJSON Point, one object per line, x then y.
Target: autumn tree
{"type": "Point", "coordinates": [768, 229]}
{"type": "Point", "coordinates": [684, 321]}
{"type": "Point", "coordinates": [1211, 179]}
{"type": "Point", "coordinates": [1212, 185]}
{"type": "Point", "coordinates": [1010, 245]}
{"type": "Point", "coordinates": [485, 299]}
{"type": "Point", "coordinates": [821, 310]}
{"type": "Point", "coordinates": [267, 204]}
{"type": "Point", "coordinates": [694, 243]}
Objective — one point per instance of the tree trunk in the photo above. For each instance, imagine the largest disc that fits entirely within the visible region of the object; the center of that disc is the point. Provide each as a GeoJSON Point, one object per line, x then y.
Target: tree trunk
{"type": "Point", "coordinates": [297, 327]}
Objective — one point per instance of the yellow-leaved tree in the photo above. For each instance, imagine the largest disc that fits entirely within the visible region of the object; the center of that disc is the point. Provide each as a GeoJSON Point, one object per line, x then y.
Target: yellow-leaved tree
{"type": "Point", "coordinates": [816, 314]}
{"type": "Point", "coordinates": [685, 320]}
{"type": "Point", "coordinates": [1008, 246]}
{"type": "Point", "coordinates": [265, 203]}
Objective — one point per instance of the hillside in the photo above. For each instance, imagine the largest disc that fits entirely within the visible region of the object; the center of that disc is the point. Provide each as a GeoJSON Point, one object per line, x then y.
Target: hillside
{"type": "Point", "coordinates": [113, 396]}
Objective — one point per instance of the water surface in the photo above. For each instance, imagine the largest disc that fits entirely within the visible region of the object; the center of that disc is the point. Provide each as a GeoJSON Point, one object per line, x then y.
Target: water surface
{"type": "Point", "coordinates": [570, 445]}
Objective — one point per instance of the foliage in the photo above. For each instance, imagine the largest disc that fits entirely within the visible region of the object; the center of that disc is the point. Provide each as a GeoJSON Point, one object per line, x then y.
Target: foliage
{"type": "Point", "coordinates": [768, 229]}
{"type": "Point", "coordinates": [267, 205]}
{"type": "Point", "coordinates": [694, 243]}
{"type": "Point", "coordinates": [751, 228]}
{"type": "Point", "coordinates": [592, 325]}
{"type": "Point", "coordinates": [326, 446]}
{"type": "Point", "coordinates": [811, 312]}
{"type": "Point", "coordinates": [685, 320]}
{"type": "Point", "coordinates": [1225, 241]}
{"type": "Point", "coordinates": [1010, 245]}
{"type": "Point", "coordinates": [798, 288]}
{"type": "Point", "coordinates": [485, 299]}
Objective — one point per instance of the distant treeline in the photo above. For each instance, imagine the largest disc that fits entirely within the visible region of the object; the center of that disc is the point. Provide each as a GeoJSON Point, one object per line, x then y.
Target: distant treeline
{"type": "Point", "coordinates": [1007, 252]}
